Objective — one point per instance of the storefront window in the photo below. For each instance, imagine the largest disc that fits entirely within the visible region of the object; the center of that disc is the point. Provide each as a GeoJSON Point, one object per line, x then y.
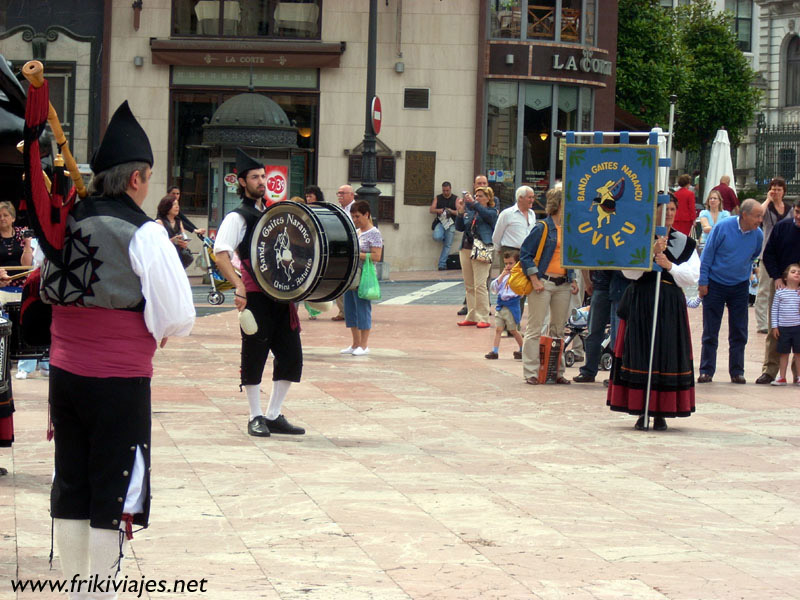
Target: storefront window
{"type": "Point", "coordinates": [567, 119]}
{"type": "Point", "coordinates": [586, 109]}
{"type": "Point", "coordinates": [505, 19]}
{"type": "Point", "coordinates": [189, 157]}
{"type": "Point", "coordinates": [247, 18]}
{"type": "Point", "coordinates": [189, 161]}
{"type": "Point", "coordinates": [537, 139]}
{"type": "Point", "coordinates": [501, 136]}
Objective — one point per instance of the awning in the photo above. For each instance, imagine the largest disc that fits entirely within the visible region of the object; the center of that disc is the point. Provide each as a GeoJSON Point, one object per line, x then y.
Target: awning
{"type": "Point", "coordinates": [237, 53]}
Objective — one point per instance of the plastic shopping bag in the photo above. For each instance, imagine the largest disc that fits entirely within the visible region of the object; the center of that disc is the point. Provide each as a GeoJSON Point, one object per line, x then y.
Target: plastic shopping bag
{"type": "Point", "coordinates": [369, 288]}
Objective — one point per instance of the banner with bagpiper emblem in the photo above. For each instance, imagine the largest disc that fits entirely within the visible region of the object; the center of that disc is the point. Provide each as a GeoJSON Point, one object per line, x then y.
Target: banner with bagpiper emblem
{"type": "Point", "coordinates": [610, 199]}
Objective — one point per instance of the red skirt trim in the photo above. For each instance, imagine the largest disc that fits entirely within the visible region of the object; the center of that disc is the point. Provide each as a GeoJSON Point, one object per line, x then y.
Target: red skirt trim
{"type": "Point", "coordinates": [6, 431]}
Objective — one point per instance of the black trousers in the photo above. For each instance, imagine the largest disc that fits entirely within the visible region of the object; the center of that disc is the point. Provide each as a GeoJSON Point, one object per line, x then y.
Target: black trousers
{"type": "Point", "coordinates": [98, 423]}
{"type": "Point", "coordinates": [274, 333]}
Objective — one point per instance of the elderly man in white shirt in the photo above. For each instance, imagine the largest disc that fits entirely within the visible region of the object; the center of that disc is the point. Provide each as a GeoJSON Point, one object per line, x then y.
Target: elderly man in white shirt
{"type": "Point", "coordinates": [515, 223]}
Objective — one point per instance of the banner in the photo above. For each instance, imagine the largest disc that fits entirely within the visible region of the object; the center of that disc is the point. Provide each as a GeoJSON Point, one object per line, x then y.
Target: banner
{"type": "Point", "coordinates": [610, 200]}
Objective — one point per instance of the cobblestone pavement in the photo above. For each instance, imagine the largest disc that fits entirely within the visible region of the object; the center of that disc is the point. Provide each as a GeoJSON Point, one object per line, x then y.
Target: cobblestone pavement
{"type": "Point", "coordinates": [430, 472]}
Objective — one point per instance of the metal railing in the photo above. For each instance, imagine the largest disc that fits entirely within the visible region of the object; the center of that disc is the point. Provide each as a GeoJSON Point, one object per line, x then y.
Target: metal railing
{"type": "Point", "coordinates": [778, 155]}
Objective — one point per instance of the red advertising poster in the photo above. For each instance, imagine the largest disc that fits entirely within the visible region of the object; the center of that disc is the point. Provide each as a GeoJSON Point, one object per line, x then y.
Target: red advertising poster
{"type": "Point", "coordinates": [277, 183]}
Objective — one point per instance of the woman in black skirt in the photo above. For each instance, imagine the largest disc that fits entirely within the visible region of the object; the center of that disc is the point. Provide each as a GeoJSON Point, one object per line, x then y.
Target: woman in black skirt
{"type": "Point", "coordinates": [672, 388]}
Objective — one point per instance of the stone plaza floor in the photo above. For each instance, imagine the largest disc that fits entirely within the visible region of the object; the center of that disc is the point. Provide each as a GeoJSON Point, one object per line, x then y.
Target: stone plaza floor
{"type": "Point", "coordinates": [428, 472]}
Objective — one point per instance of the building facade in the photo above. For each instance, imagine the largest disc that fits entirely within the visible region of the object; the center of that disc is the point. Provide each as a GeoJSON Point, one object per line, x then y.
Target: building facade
{"type": "Point", "coordinates": [466, 86]}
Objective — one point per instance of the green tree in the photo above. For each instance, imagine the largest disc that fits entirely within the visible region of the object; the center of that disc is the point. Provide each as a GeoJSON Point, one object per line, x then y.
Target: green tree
{"type": "Point", "coordinates": [649, 60]}
{"type": "Point", "coordinates": [718, 80]}
{"type": "Point", "coordinates": [692, 53]}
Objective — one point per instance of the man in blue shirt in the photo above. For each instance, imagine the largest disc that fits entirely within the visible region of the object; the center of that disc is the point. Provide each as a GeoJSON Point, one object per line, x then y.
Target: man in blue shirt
{"type": "Point", "coordinates": [725, 269]}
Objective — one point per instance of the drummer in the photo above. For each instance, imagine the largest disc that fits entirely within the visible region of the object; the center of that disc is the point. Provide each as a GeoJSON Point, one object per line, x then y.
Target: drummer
{"type": "Point", "coordinates": [277, 324]}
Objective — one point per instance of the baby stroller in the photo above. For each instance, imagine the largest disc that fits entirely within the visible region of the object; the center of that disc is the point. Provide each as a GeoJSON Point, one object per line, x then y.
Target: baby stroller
{"type": "Point", "coordinates": [218, 282]}
{"type": "Point", "coordinates": [577, 326]}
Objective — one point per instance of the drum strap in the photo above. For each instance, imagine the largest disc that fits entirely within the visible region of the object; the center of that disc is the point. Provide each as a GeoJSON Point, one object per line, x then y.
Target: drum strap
{"type": "Point", "coordinates": [251, 216]}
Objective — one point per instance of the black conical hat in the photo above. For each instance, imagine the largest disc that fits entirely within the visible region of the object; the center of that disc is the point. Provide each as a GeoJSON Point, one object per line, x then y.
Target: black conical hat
{"type": "Point", "coordinates": [124, 141]}
{"type": "Point", "coordinates": [245, 162]}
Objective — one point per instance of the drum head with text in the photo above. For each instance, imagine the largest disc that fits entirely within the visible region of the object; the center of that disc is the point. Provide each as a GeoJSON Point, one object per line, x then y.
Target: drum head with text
{"type": "Point", "coordinates": [286, 251]}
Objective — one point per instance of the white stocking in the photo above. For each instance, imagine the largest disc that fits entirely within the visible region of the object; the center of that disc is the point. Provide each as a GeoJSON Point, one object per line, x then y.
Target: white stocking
{"type": "Point", "coordinates": [254, 399]}
{"type": "Point", "coordinates": [72, 541]}
{"type": "Point", "coordinates": [104, 554]}
{"type": "Point", "coordinates": [279, 390]}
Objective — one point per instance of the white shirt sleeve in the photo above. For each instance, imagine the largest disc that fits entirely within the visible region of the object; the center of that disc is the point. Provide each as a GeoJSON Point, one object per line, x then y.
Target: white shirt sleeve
{"type": "Point", "coordinates": [499, 229]}
{"type": "Point", "coordinates": [169, 307]}
{"type": "Point", "coordinates": [230, 234]}
{"type": "Point", "coordinates": [687, 274]}
{"type": "Point", "coordinates": [38, 255]}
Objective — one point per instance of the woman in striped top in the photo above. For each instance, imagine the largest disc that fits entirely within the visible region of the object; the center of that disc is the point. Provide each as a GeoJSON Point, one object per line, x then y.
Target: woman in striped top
{"type": "Point", "coordinates": [786, 321]}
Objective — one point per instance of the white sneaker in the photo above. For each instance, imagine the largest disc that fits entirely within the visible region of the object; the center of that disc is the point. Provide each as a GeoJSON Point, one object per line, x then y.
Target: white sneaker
{"type": "Point", "coordinates": [360, 351]}
{"type": "Point", "coordinates": [21, 375]}
{"type": "Point", "coordinates": [797, 381]}
{"type": "Point", "coordinates": [779, 381]}
{"type": "Point", "coordinates": [348, 350]}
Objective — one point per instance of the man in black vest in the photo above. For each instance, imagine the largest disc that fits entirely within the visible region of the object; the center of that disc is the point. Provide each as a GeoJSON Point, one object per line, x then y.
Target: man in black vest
{"type": "Point", "coordinates": [277, 327]}
{"type": "Point", "coordinates": [118, 290]}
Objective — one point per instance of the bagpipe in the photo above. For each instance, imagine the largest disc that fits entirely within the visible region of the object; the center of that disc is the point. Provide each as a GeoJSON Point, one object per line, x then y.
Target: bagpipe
{"type": "Point", "coordinates": [46, 203]}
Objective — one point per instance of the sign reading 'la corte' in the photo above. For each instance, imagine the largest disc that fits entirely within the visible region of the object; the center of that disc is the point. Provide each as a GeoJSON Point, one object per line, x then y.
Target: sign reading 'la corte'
{"type": "Point", "coordinates": [587, 64]}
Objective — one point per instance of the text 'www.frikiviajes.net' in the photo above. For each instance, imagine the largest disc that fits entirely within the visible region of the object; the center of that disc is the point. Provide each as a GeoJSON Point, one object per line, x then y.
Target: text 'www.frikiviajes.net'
{"type": "Point", "coordinates": [123, 585]}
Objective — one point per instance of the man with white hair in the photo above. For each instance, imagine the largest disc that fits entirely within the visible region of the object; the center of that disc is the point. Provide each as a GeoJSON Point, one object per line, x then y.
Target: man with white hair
{"type": "Point", "coordinates": [515, 223]}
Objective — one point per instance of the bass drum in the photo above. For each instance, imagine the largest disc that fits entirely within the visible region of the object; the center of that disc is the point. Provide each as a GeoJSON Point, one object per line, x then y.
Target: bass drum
{"type": "Point", "coordinates": [304, 251]}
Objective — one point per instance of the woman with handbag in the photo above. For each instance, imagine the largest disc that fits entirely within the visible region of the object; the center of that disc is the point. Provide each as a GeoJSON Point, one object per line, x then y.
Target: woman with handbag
{"type": "Point", "coordinates": [476, 218]}
{"type": "Point", "coordinates": [551, 286]}
{"type": "Point", "coordinates": [357, 309]}
{"type": "Point", "coordinates": [168, 209]}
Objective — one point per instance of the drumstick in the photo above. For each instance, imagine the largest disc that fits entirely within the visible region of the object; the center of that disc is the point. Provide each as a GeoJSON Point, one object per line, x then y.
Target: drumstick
{"type": "Point", "coordinates": [16, 268]}
{"type": "Point", "coordinates": [20, 275]}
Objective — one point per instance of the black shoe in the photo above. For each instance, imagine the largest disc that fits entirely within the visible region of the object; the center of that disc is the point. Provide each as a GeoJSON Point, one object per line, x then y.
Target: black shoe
{"type": "Point", "coordinates": [639, 424]}
{"type": "Point", "coordinates": [765, 378]}
{"type": "Point", "coordinates": [517, 354]}
{"type": "Point", "coordinates": [606, 382]}
{"type": "Point", "coordinates": [704, 378]}
{"type": "Point", "coordinates": [281, 425]}
{"type": "Point", "coordinates": [659, 424]}
{"type": "Point", "coordinates": [492, 355]}
{"type": "Point", "coordinates": [258, 426]}
{"type": "Point", "coordinates": [3, 471]}
{"type": "Point", "coordinates": [738, 379]}
{"type": "Point", "coordinates": [581, 378]}
{"type": "Point", "coordinates": [462, 312]}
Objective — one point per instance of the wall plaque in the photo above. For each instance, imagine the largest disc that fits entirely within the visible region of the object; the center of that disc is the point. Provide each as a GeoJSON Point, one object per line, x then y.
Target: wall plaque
{"type": "Point", "coordinates": [419, 183]}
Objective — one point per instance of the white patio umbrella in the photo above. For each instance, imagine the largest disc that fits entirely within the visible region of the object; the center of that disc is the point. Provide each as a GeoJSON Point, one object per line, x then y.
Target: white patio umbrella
{"type": "Point", "coordinates": [662, 174]}
{"type": "Point", "coordinates": [719, 163]}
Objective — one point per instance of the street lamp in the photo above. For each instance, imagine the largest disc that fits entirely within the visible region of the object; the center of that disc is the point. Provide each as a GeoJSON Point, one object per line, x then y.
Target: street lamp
{"type": "Point", "coordinates": [369, 161]}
